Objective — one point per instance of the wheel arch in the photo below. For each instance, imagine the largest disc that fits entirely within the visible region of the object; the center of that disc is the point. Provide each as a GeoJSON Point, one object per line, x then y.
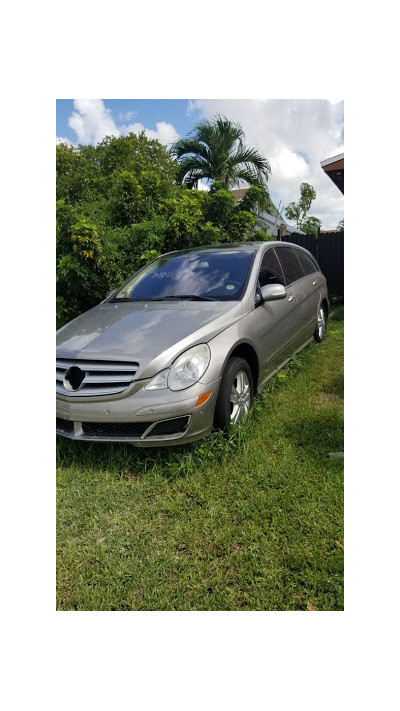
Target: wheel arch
{"type": "Point", "coordinates": [245, 350]}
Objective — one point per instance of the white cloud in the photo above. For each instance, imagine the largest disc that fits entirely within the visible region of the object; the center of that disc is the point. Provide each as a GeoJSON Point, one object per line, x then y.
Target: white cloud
{"type": "Point", "coordinates": [165, 132]}
{"type": "Point", "coordinates": [289, 164]}
{"type": "Point", "coordinates": [295, 135]}
{"type": "Point", "coordinates": [92, 121]}
{"type": "Point", "coordinates": [127, 115]}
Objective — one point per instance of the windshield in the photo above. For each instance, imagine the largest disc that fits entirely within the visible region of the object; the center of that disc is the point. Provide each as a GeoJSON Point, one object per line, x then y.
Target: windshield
{"type": "Point", "coordinates": [220, 275]}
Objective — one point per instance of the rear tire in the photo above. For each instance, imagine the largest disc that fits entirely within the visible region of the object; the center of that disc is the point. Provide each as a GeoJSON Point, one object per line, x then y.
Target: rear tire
{"type": "Point", "coordinates": [236, 393]}
{"type": "Point", "coordinates": [320, 330]}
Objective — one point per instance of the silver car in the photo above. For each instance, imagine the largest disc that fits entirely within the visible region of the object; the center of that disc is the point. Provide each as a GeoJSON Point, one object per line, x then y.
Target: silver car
{"type": "Point", "coordinates": [187, 342]}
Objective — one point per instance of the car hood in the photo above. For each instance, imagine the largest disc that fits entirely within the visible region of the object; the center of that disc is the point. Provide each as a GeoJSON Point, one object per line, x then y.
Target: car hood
{"type": "Point", "coordinates": [152, 334]}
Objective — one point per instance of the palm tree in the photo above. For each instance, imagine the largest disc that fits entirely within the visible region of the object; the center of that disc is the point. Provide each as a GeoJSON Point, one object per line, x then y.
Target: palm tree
{"type": "Point", "coordinates": [215, 150]}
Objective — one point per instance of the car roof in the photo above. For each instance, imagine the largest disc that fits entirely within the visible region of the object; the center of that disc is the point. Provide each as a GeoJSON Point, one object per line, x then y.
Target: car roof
{"type": "Point", "coordinates": [239, 246]}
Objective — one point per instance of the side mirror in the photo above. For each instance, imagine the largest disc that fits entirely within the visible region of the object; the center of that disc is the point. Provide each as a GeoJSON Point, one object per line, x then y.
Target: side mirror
{"type": "Point", "coordinates": [273, 292]}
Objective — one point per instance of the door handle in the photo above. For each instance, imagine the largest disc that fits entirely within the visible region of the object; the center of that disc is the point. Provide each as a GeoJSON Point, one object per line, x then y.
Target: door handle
{"type": "Point", "coordinates": [314, 283]}
{"type": "Point", "coordinates": [290, 298]}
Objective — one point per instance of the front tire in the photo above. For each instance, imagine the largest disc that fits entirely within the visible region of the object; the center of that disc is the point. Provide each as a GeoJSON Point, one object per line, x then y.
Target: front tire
{"type": "Point", "coordinates": [320, 331]}
{"type": "Point", "coordinates": [236, 394]}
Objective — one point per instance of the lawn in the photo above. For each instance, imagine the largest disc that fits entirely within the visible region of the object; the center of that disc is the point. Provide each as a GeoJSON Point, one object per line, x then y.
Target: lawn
{"type": "Point", "coordinates": [250, 521]}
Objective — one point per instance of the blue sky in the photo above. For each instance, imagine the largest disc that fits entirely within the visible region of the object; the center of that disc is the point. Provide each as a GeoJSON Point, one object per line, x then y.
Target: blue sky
{"type": "Point", "coordinates": [144, 111]}
{"type": "Point", "coordinates": [294, 134]}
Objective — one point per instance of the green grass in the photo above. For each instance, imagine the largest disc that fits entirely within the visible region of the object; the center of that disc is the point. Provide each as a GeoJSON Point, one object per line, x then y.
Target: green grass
{"type": "Point", "coordinates": [250, 521]}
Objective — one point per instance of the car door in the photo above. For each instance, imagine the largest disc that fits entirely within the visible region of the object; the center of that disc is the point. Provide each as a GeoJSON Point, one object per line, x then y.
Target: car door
{"type": "Point", "coordinates": [311, 284]}
{"type": "Point", "coordinates": [294, 279]}
{"type": "Point", "coordinates": [276, 319]}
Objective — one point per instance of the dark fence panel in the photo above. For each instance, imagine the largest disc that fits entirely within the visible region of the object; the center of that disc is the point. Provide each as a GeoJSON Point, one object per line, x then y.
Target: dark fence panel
{"type": "Point", "coordinates": [328, 250]}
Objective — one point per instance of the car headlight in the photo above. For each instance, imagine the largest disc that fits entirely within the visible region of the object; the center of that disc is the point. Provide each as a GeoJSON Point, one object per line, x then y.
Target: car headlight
{"type": "Point", "coordinates": [189, 367]}
{"type": "Point", "coordinates": [184, 371]}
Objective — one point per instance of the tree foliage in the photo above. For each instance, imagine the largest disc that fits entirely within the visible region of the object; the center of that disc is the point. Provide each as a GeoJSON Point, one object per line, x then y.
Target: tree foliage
{"type": "Point", "coordinates": [119, 205]}
{"type": "Point", "coordinates": [215, 150]}
{"type": "Point", "coordinates": [311, 225]}
{"type": "Point", "coordinates": [297, 211]}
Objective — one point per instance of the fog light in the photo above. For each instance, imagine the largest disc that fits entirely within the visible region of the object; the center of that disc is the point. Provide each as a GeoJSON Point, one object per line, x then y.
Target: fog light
{"type": "Point", "coordinates": [203, 398]}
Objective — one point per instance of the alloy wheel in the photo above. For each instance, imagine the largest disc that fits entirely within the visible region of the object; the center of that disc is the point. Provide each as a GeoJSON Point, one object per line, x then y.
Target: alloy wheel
{"type": "Point", "coordinates": [240, 397]}
{"type": "Point", "coordinates": [321, 324]}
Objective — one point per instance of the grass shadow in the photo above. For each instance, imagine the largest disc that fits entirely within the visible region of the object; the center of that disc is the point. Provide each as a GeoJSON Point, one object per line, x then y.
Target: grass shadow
{"type": "Point", "coordinates": [318, 435]}
{"type": "Point", "coordinates": [335, 387]}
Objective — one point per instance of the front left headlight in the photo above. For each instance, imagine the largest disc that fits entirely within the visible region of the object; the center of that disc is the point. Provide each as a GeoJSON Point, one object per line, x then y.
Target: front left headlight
{"type": "Point", "coordinates": [184, 371]}
{"type": "Point", "coordinates": [189, 367]}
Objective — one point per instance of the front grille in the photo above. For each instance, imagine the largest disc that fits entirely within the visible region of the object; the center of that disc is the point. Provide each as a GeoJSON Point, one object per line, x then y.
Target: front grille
{"type": "Point", "coordinates": [99, 377]}
{"type": "Point", "coordinates": [128, 430]}
{"type": "Point", "coordinates": [114, 429]}
{"type": "Point", "coordinates": [64, 426]}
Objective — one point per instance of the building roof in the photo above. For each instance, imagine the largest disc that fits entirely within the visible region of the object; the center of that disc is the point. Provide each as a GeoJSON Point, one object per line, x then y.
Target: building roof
{"type": "Point", "coordinates": [334, 168]}
{"type": "Point", "coordinates": [241, 192]}
{"type": "Point", "coordinates": [328, 161]}
{"type": "Point", "coordinates": [272, 220]}
{"type": "Point", "coordinates": [238, 194]}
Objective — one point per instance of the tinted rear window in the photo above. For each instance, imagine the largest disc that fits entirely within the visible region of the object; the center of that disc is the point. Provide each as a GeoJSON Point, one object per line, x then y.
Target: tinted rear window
{"type": "Point", "coordinates": [307, 262]}
{"type": "Point", "coordinates": [290, 264]}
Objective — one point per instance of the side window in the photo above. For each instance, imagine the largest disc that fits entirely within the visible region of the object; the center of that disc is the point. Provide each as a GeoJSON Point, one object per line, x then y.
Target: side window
{"type": "Point", "coordinates": [307, 262]}
{"type": "Point", "coordinates": [270, 270]}
{"type": "Point", "coordinates": [290, 264]}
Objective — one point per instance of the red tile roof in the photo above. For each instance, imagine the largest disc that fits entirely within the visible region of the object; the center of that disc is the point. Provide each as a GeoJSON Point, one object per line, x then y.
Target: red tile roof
{"type": "Point", "coordinates": [238, 194]}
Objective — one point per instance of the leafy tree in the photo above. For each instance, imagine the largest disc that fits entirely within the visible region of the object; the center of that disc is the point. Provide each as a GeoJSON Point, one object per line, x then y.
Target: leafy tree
{"type": "Point", "coordinates": [88, 173]}
{"type": "Point", "coordinates": [132, 200]}
{"type": "Point", "coordinates": [235, 219]}
{"type": "Point", "coordinates": [125, 248]}
{"type": "Point", "coordinates": [241, 226]}
{"type": "Point", "coordinates": [77, 173]}
{"type": "Point", "coordinates": [340, 227]}
{"type": "Point", "coordinates": [184, 214]}
{"type": "Point", "coordinates": [137, 154]}
{"type": "Point", "coordinates": [311, 225]}
{"type": "Point", "coordinates": [257, 199]}
{"type": "Point", "coordinates": [126, 197]}
{"type": "Point", "coordinates": [220, 205]}
{"type": "Point", "coordinates": [215, 150]}
{"type": "Point", "coordinates": [261, 236]}
{"type": "Point", "coordinates": [298, 211]}
{"type": "Point", "coordinates": [80, 277]}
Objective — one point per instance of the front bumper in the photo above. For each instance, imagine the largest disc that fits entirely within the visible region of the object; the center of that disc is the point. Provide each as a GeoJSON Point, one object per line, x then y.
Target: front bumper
{"type": "Point", "coordinates": [77, 418]}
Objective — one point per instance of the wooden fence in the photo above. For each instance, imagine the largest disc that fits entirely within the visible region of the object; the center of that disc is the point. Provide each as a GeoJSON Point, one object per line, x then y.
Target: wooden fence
{"type": "Point", "coordinates": [328, 250]}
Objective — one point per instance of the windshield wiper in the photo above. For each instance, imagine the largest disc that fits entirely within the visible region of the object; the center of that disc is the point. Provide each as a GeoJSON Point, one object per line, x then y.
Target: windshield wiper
{"type": "Point", "coordinates": [182, 297]}
{"type": "Point", "coordinates": [179, 297]}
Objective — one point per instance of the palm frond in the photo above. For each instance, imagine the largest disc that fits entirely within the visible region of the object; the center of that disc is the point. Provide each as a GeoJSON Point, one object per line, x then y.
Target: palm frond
{"type": "Point", "coordinates": [184, 146]}
{"type": "Point", "coordinates": [215, 150]}
{"type": "Point", "coordinates": [250, 156]}
{"type": "Point", "coordinates": [232, 131]}
{"type": "Point", "coordinates": [192, 169]}
{"type": "Point", "coordinates": [248, 175]}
